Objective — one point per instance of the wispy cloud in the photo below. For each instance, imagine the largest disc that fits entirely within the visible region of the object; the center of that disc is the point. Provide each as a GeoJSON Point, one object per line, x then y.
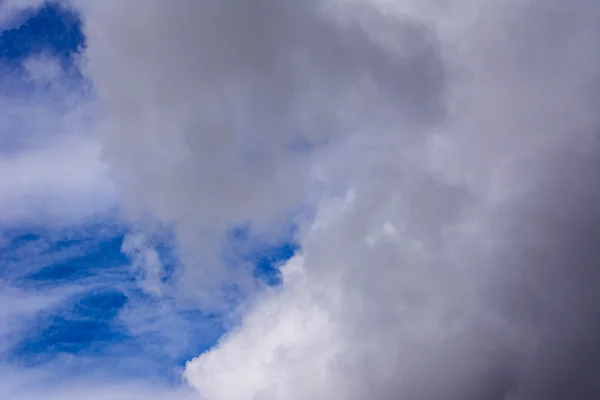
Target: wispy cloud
{"type": "Point", "coordinates": [76, 320]}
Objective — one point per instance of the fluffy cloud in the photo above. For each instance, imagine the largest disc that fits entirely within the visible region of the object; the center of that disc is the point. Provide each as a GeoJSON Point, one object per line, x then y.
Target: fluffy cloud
{"type": "Point", "coordinates": [462, 262]}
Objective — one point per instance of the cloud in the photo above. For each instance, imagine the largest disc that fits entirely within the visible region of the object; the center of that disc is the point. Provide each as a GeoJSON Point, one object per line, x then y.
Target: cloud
{"type": "Point", "coordinates": [11, 11]}
{"type": "Point", "coordinates": [462, 263]}
{"type": "Point", "coordinates": [32, 384]}
{"type": "Point", "coordinates": [54, 173]}
{"type": "Point", "coordinates": [63, 183]}
{"type": "Point", "coordinates": [146, 259]}
{"type": "Point", "coordinates": [234, 113]}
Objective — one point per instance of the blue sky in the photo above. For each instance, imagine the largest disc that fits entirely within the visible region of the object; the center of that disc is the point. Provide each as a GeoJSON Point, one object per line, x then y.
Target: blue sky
{"type": "Point", "coordinates": [84, 310]}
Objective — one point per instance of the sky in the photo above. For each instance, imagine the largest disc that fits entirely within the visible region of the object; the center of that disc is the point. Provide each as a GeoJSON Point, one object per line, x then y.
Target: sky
{"type": "Point", "coordinates": [316, 200]}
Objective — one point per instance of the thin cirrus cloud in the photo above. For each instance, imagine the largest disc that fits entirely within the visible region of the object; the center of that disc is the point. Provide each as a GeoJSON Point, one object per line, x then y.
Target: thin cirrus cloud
{"type": "Point", "coordinates": [449, 161]}
{"type": "Point", "coordinates": [77, 320]}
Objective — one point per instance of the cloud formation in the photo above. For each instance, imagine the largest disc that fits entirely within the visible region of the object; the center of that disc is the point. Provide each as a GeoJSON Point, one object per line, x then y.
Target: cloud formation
{"type": "Point", "coordinates": [220, 114]}
{"type": "Point", "coordinates": [462, 261]}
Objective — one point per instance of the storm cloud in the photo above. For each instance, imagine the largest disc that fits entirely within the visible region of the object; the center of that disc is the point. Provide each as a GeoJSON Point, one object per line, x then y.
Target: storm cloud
{"type": "Point", "coordinates": [449, 151]}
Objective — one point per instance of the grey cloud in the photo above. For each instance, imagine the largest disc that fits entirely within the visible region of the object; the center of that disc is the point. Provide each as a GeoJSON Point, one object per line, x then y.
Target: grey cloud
{"type": "Point", "coordinates": [203, 101]}
{"type": "Point", "coordinates": [464, 263]}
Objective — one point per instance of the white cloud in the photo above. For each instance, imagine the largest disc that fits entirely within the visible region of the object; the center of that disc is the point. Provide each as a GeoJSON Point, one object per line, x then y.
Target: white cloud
{"type": "Point", "coordinates": [146, 260]}
{"type": "Point", "coordinates": [63, 183]}
{"type": "Point", "coordinates": [267, 357]}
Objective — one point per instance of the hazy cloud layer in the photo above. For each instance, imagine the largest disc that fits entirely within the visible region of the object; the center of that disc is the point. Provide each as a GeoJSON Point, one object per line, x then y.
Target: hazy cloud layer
{"type": "Point", "coordinates": [49, 158]}
{"type": "Point", "coordinates": [462, 262]}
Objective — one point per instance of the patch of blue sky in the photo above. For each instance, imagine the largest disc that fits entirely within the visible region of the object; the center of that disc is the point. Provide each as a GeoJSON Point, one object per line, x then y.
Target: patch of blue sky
{"type": "Point", "coordinates": [90, 323]}
{"type": "Point", "coordinates": [265, 252]}
{"type": "Point", "coordinates": [84, 324]}
{"type": "Point", "coordinates": [36, 251]}
{"type": "Point", "coordinates": [102, 318]}
{"type": "Point", "coordinates": [84, 269]}
{"type": "Point", "coordinates": [48, 29]}
{"type": "Point", "coordinates": [89, 270]}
